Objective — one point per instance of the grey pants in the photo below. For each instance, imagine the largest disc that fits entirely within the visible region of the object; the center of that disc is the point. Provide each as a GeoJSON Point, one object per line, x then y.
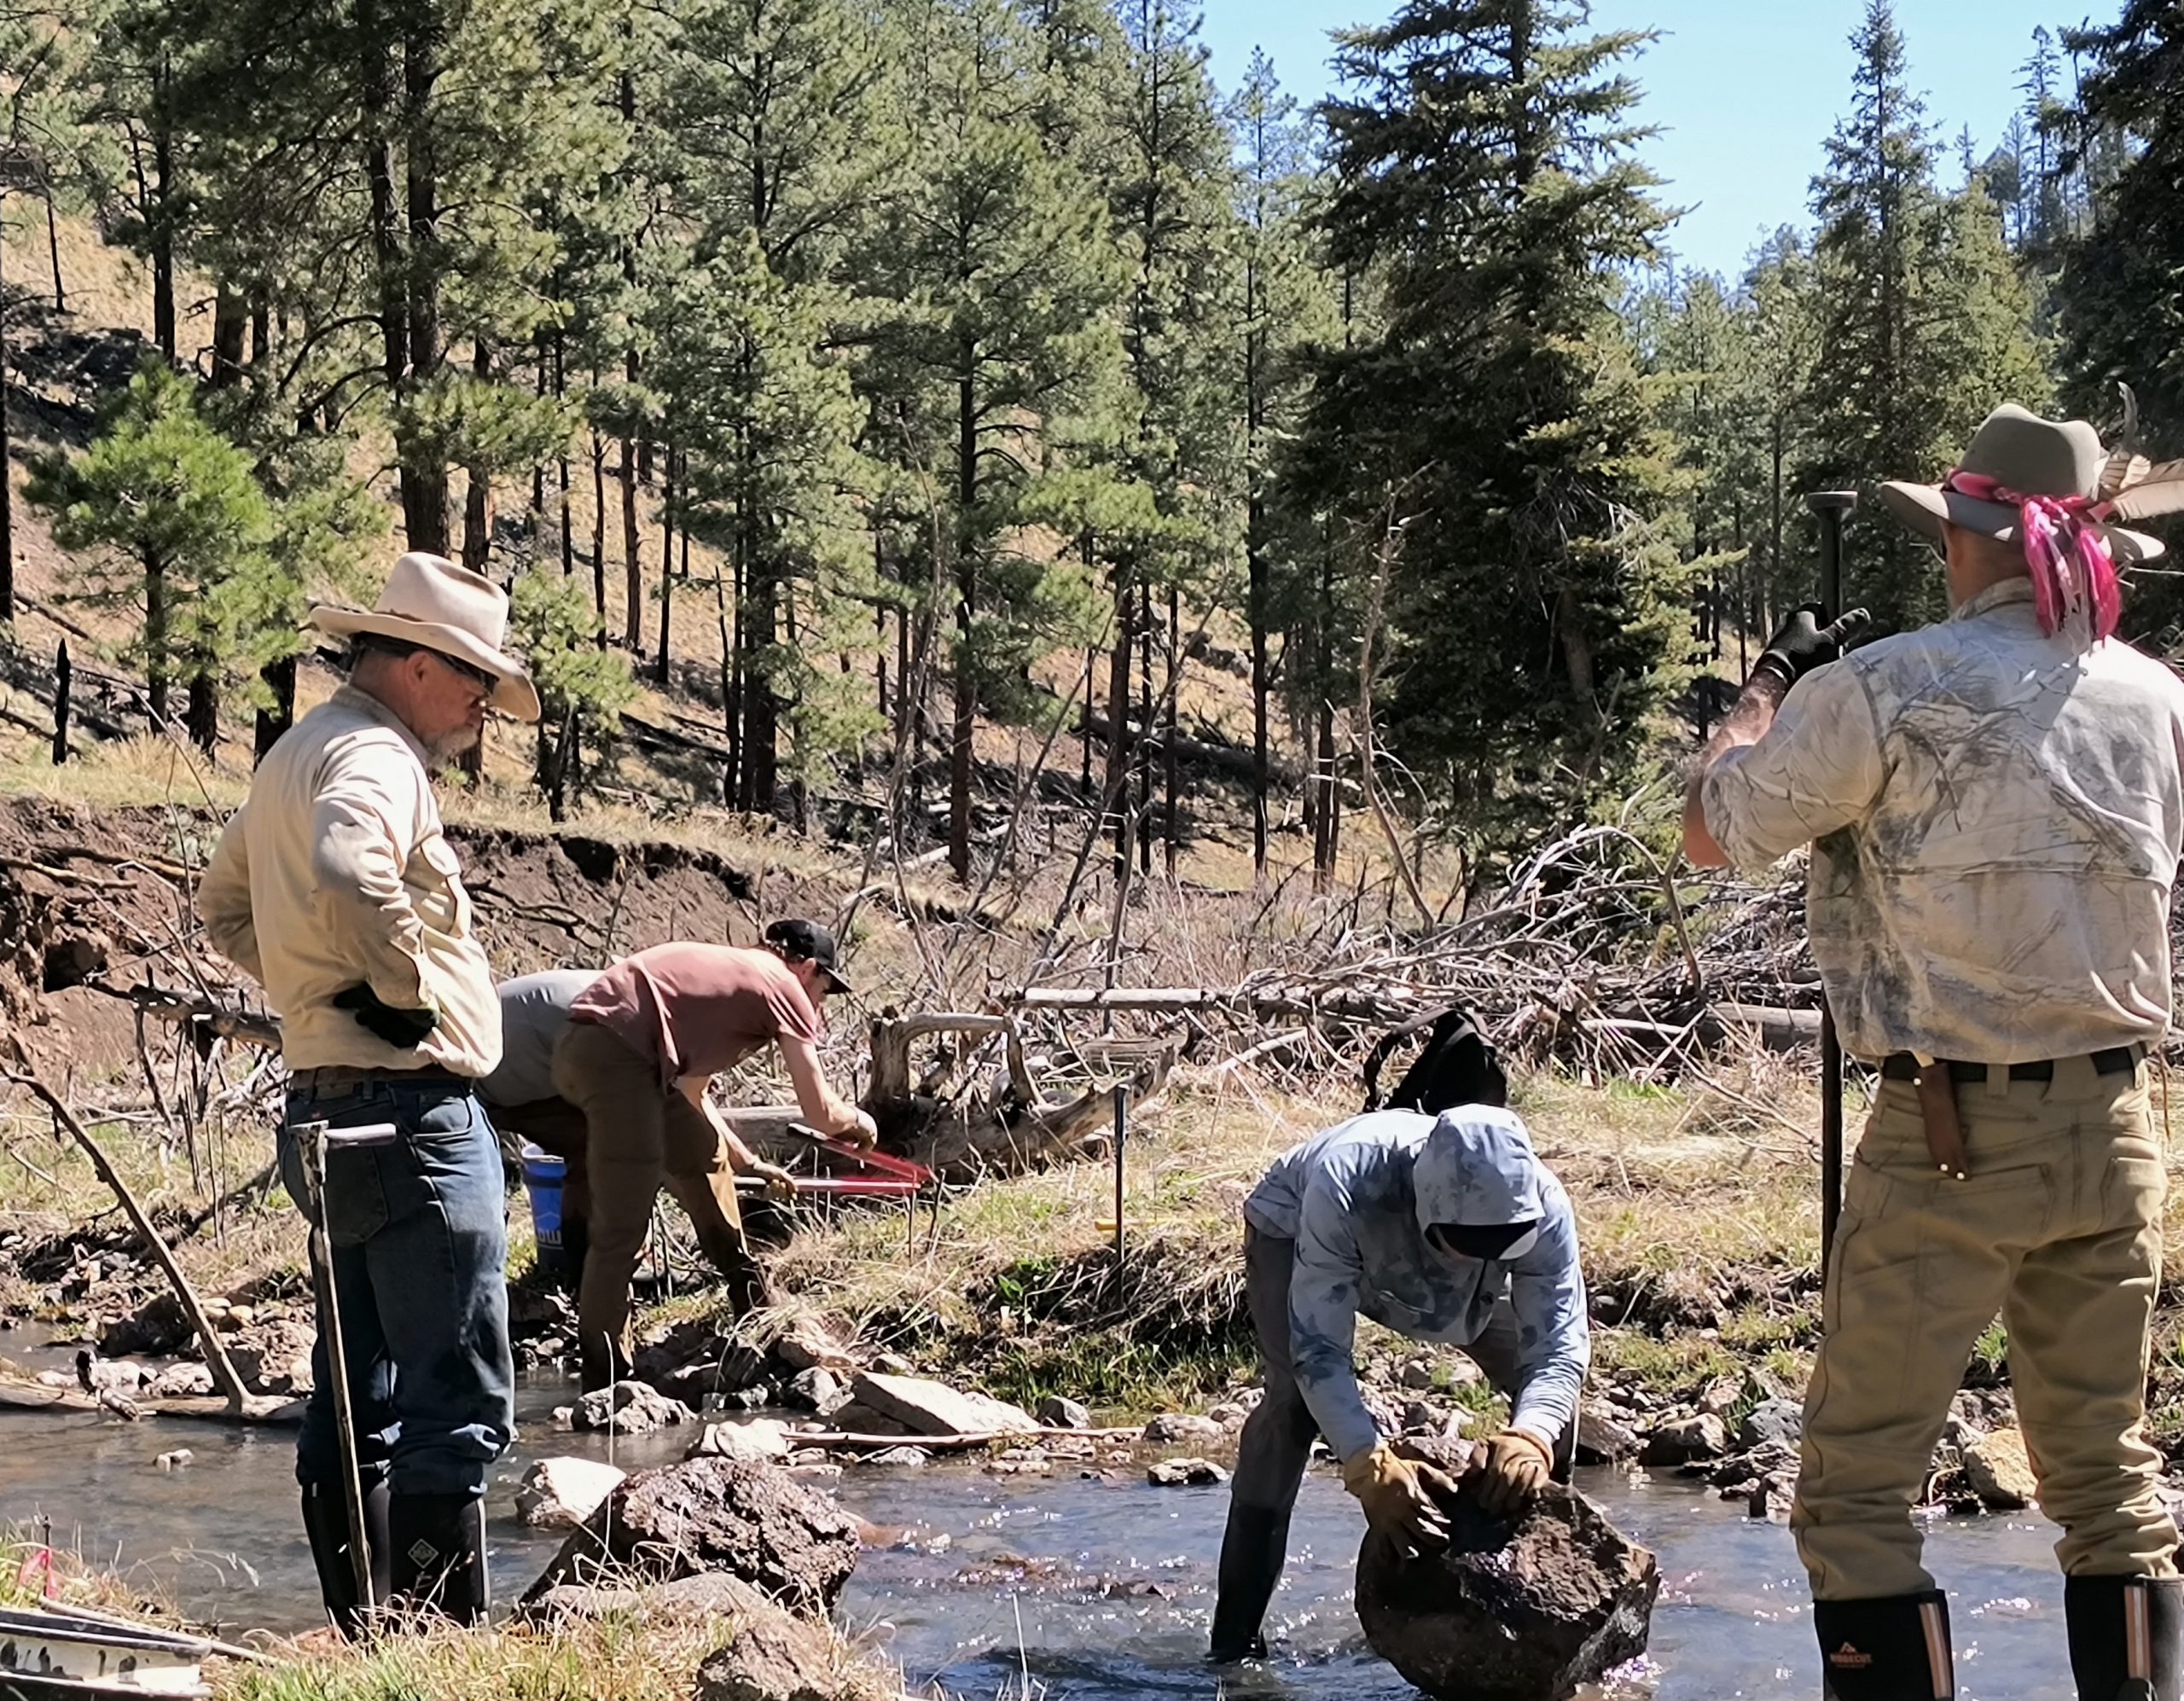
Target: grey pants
{"type": "Point", "coordinates": [1277, 1444]}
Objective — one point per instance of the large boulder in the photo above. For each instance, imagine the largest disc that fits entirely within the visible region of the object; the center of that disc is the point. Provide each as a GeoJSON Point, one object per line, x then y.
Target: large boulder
{"type": "Point", "coordinates": [1525, 1612]}
{"type": "Point", "coordinates": [752, 1520]}
{"type": "Point", "coordinates": [933, 1409]}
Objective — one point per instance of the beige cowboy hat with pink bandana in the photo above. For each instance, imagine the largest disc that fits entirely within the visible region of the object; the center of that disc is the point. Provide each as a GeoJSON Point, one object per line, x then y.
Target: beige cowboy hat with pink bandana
{"type": "Point", "coordinates": [432, 602]}
{"type": "Point", "coordinates": [2049, 485]}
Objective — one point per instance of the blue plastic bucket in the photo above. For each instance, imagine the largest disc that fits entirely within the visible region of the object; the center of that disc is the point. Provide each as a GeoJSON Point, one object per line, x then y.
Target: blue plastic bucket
{"type": "Point", "coordinates": [543, 1175]}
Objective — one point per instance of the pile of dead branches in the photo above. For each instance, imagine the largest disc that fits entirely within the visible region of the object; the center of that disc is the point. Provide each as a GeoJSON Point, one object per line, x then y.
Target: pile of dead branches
{"type": "Point", "coordinates": [1590, 956]}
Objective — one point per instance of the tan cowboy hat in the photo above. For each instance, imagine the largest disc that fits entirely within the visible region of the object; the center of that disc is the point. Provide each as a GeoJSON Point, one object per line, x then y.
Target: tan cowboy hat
{"type": "Point", "coordinates": [2035, 457]}
{"type": "Point", "coordinates": [431, 602]}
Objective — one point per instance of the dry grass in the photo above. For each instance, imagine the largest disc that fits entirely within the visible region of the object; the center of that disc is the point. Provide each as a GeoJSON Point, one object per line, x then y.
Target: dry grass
{"type": "Point", "coordinates": [621, 1654]}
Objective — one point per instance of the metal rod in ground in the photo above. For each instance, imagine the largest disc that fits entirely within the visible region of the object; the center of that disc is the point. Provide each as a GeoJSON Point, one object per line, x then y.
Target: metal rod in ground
{"type": "Point", "coordinates": [1830, 506]}
{"type": "Point", "coordinates": [310, 1140]}
{"type": "Point", "coordinates": [1122, 1132]}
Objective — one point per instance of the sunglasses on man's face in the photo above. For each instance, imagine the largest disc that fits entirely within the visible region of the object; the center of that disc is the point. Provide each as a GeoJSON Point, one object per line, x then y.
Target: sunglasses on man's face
{"type": "Point", "coordinates": [477, 676]}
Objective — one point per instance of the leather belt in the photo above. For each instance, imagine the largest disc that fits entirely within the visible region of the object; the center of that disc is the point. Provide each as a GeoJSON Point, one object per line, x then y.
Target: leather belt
{"type": "Point", "coordinates": [337, 1075]}
{"type": "Point", "coordinates": [2121, 1060]}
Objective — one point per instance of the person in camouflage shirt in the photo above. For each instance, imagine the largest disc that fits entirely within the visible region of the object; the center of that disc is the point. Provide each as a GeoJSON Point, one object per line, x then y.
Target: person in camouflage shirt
{"type": "Point", "coordinates": [1995, 804]}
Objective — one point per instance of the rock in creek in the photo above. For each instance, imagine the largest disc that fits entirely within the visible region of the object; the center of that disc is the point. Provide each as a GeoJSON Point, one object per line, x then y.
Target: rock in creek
{"type": "Point", "coordinates": [1526, 1612]}
{"type": "Point", "coordinates": [1999, 1471]}
{"type": "Point", "coordinates": [1173, 1426]}
{"type": "Point", "coordinates": [759, 1438]}
{"type": "Point", "coordinates": [816, 1389]}
{"type": "Point", "coordinates": [1681, 1440]}
{"type": "Point", "coordinates": [630, 1408]}
{"type": "Point", "coordinates": [898, 1458]}
{"type": "Point", "coordinates": [1772, 1423]}
{"type": "Point", "coordinates": [560, 1494]}
{"type": "Point", "coordinates": [1603, 1437]}
{"type": "Point", "coordinates": [750, 1520]}
{"type": "Point", "coordinates": [927, 1407]}
{"type": "Point", "coordinates": [1059, 1413]}
{"type": "Point", "coordinates": [1175, 1473]}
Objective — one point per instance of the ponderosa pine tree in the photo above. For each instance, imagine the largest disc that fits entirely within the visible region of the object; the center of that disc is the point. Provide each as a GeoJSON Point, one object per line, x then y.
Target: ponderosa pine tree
{"type": "Point", "coordinates": [1001, 345]}
{"type": "Point", "coordinates": [1496, 430]}
{"type": "Point", "coordinates": [774, 151]}
{"type": "Point", "coordinates": [1285, 310]}
{"type": "Point", "coordinates": [175, 525]}
{"type": "Point", "coordinates": [2120, 314]}
{"type": "Point", "coordinates": [1924, 324]}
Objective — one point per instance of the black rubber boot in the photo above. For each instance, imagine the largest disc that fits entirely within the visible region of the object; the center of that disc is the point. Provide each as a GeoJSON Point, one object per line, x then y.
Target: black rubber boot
{"type": "Point", "coordinates": [439, 1543]}
{"type": "Point", "coordinates": [1253, 1550]}
{"type": "Point", "coordinates": [326, 1522]}
{"type": "Point", "coordinates": [1894, 1648]}
{"type": "Point", "coordinates": [2123, 1637]}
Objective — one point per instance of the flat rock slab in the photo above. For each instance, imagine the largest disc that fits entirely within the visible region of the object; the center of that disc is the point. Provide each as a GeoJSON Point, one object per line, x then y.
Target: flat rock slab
{"type": "Point", "coordinates": [560, 1494]}
{"type": "Point", "coordinates": [752, 1520]}
{"type": "Point", "coordinates": [1522, 1612]}
{"type": "Point", "coordinates": [928, 1407]}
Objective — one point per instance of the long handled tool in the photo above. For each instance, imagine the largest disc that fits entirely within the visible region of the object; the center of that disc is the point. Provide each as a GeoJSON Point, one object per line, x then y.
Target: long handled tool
{"type": "Point", "coordinates": [313, 1142]}
{"type": "Point", "coordinates": [1830, 506]}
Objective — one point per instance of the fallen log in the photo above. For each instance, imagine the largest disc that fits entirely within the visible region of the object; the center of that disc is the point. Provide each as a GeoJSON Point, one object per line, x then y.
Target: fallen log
{"type": "Point", "coordinates": [957, 1443]}
{"type": "Point", "coordinates": [257, 1408]}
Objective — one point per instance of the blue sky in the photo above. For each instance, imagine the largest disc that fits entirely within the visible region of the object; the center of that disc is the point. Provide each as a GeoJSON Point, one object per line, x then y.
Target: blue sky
{"type": "Point", "coordinates": [1743, 91]}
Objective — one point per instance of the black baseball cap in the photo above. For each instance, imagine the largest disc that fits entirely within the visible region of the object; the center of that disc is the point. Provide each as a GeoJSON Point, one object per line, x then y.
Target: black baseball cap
{"type": "Point", "coordinates": [802, 941]}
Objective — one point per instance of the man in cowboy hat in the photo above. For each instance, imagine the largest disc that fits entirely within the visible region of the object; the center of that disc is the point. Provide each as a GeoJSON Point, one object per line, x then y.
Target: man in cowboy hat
{"type": "Point", "coordinates": [633, 1052]}
{"type": "Point", "coordinates": [1437, 1219]}
{"type": "Point", "coordinates": [335, 887]}
{"type": "Point", "coordinates": [1995, 808]}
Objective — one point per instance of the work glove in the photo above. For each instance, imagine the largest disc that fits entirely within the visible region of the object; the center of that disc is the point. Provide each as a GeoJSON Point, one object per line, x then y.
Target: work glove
{"type": "Point", "coordinates": [402, 1029]}
{"type": "Point", "coordinates": [1399, 1496]}
{"type": "Point", "coordinates": [1514, 1468]}
{"type": "Point", "coordinates": [1801, 644]}
{"type": "Point", "coordinates": [780, 1184]}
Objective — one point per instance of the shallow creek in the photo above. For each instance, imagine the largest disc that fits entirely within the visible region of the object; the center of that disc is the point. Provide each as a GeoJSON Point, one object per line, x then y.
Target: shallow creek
{"type": "Point", "coordinates": [1100, 1587]}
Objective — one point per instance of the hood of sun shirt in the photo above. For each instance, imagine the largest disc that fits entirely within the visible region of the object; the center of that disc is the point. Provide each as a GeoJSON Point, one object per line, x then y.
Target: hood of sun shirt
{"type": "Point", "coordinates": [1478, 1168]}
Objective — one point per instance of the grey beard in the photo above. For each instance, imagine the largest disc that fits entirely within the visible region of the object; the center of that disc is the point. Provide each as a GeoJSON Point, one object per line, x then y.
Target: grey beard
{"type": "Point", "coordinates": [446, 749]}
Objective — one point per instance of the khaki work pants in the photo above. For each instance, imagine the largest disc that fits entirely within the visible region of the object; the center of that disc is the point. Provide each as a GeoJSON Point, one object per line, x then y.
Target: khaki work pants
{"type": "Point", "coordinates": [638, 1136]}
{"type": "Point", "coordinates": [2058, 1228]}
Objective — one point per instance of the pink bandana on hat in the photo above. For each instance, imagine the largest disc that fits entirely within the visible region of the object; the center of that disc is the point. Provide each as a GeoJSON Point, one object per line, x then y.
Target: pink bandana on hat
{"type": "Point", "coordinates": [2073, 575]}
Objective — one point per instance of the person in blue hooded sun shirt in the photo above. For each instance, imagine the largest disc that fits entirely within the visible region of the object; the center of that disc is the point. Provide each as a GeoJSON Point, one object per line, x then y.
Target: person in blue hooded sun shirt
{"type": "Point", "coordinates": [1439, 1221]}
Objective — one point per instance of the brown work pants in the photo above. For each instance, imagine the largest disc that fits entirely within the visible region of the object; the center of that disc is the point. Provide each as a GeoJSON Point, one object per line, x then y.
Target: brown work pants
{"type": "Point", "coordinates": [2058, 1227]}
{"type": "Point", "coordinates": [638, 1135]}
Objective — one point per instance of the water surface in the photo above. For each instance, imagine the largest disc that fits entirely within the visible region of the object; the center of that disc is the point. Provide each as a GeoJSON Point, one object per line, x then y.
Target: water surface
{"type": "Point", "coordinates": [1099, 1587]}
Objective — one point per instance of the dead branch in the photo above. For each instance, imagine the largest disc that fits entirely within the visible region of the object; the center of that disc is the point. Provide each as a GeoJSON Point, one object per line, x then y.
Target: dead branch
{"type": "Point", "coordinates": [215, 1355]}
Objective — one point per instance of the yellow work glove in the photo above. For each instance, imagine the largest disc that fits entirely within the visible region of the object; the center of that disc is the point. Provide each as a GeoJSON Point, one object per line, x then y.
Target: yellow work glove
{"type": "Point", "coordinates": [780, 1184]}
{"type": "Point", "coordinates": [1398, 1495]}
{"type": "Point", "coordinates": [1514, 1467]}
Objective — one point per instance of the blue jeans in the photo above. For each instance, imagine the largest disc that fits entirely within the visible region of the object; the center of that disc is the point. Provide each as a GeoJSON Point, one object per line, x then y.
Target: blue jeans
{"type": "Point", "coordinates": [420, 1243]}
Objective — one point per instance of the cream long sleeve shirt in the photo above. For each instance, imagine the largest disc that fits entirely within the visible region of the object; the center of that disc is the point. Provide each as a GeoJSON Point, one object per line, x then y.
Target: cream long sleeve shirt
{"type": "Point", "coordinates": [336, 870]}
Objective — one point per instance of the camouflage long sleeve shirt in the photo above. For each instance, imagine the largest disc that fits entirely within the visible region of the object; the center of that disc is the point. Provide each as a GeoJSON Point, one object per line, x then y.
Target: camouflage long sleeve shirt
{"type": "Point", "coordinates": [1349, 1199]}
{"type": "Point", "coordinates": [1996, 818]}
